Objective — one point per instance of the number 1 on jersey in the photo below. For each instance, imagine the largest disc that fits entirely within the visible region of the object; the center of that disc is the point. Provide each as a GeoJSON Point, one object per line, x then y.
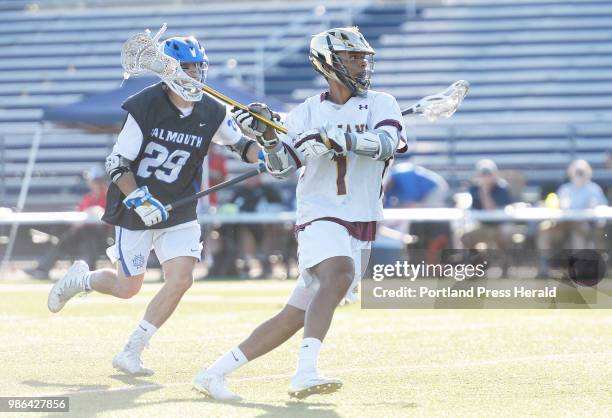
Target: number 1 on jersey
{"type": "Point", "coordinates": [341, 174]}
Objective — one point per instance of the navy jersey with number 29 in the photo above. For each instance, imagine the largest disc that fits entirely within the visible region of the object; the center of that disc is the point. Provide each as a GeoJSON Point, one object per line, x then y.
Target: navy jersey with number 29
{"type": "Point", "coordinates": [170, 159]}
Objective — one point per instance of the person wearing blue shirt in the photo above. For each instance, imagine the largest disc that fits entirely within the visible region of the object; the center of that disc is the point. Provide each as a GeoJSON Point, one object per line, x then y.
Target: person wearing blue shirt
{"type": "Point", "coordinates": [412, 186]}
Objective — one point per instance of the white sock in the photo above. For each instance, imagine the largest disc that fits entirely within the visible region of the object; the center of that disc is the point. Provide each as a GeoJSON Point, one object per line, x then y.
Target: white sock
{"type": "Point", "coordinates": [147, 328]}
{"type": "Point", "coordinates": [309, 354]}
{"type": "Point", "coordinates": [141, 336]}
{"type": "Point", "coordinates": [229, 362]}
{"type": "Point", "coordinates": [87, 281]}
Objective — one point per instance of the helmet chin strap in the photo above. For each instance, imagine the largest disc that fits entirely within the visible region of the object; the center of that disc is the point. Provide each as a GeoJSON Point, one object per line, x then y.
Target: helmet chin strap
{"type": "Point", "coordinates": [348, 82]}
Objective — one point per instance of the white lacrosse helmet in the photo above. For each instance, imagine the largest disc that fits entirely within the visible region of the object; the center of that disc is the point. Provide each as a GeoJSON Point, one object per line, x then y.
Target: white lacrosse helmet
{"type": "Point", "coordinates": [324, 58]}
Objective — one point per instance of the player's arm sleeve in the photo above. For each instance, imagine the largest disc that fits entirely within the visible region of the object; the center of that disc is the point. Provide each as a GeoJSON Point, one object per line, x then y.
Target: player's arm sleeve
{"type": "Point", "coordinates": [125, 150]}
{"type": "Point", "coordinates": [228, 132]}
{"type": "Point", "coordinates": [294, 122]}
{"type": "Point", "coordinates": [283, 159]}
{"type": "Point", "coordinates": [229, 135]}
{"type": "Point", "coordinates": [384, 135]}
{"type": "Point", "coordinates": [129, 140]}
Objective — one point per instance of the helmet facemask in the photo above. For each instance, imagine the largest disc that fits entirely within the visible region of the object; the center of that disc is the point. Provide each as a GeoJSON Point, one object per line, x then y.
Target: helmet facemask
{"type": "Point", "coordinates": [187, 86]}
{"type": "Point", "coordinates": [187, 51]}
{"type": "Point", "coordinates": [327, 57]}
{"type": "Point", "coordinates": [350, 74]}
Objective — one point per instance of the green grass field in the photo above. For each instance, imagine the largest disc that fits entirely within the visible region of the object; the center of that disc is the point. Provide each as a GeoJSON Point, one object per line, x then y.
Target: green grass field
{"type": "Point", "coordinates": [393, 362]}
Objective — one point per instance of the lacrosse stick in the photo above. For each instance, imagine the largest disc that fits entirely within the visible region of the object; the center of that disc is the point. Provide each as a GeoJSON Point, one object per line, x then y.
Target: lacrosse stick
{"type": "Point", "coordinates": [251, 173]}
{"type": "Point", "coordinates": [142, 53]}
{"type": "Point", "coordinates": [443, 104]}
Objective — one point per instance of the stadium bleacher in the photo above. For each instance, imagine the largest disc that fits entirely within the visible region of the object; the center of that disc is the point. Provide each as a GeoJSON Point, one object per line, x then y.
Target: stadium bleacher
{"type": "Point", "coordinates": [540, 76]}
{"type": "Point", "coordinates": [540, 73]}
{"type": "Point", "coordinates": [55, 55]}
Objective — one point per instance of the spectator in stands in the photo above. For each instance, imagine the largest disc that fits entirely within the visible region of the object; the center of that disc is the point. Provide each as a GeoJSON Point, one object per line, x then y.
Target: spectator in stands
{"type": "Point", "coordinates": [609, 158]}
{"type": "Point", "coordinates": [489, 192]}
{"type": "Point", "coordinates": [86, 241]}
{"type": "Point", "coordinates": [412, 186]}
{"type": "Point", "coordinates": [577, 194]}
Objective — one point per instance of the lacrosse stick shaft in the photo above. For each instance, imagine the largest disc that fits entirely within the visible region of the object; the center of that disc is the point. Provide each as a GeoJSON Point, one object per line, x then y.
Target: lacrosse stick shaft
{"type": "Point", "coordinates": [231, 182]}
{"type": "Point", "coordinates": [218, 95]}
{"type": "Point", "coordinates": [141, 53]}
{"type": "Point", "coordinates": [409, 110]}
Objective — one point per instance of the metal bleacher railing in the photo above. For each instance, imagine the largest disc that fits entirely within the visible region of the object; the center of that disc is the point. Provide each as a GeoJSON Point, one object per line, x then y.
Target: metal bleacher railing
{"type": "Point", "coordinates": [455, 216]}
{"type": "Point", "coordinates": [511, 214]}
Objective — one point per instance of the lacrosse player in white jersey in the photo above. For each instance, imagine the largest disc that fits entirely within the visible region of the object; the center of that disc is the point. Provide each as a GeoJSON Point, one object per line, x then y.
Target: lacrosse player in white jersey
{"type": "Point", "coordinates": [343, 142]}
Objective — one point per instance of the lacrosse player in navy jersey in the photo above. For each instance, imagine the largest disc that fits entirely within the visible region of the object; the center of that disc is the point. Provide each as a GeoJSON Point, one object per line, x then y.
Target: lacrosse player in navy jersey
{"type": "Point", "coordinates": [156, 160]}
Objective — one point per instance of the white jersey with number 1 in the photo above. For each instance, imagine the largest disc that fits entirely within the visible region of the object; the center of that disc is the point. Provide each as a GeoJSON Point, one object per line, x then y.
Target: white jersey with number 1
{"type": "Point", "coordinates": [348, 188]}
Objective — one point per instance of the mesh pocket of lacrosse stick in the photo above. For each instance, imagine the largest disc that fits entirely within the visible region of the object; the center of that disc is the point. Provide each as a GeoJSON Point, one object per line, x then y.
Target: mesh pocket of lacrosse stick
{"type": "Point", "coordinates": [443, 104]}
{"type": "Point", "coordinates": [141, 53]}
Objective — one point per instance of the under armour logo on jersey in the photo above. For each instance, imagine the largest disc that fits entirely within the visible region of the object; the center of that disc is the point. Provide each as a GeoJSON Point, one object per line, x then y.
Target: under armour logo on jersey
{"type": "Point", "coordinates": [363, 107]}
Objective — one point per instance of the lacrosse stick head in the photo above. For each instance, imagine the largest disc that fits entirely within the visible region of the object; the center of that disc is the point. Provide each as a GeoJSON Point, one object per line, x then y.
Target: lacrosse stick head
{"type": "Point", "coordinates": [143, 54]}
{"type": "Point", "coordinates": [443, 104]}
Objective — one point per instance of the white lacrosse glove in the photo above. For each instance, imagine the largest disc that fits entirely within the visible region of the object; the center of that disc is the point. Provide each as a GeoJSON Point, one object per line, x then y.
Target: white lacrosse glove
{"type": "Point", "coordinates": [310, 144]}
{"type": "Point", "coordinates": [276, 163]}
{"type": "Point", "coordinates": [254, 127]}
{"type": "Point", "coordinates": [334, 139]}
{"type": "Point", "coordinates": [323, 141]}
{"type": "Point", "coordinates": [150, 210]}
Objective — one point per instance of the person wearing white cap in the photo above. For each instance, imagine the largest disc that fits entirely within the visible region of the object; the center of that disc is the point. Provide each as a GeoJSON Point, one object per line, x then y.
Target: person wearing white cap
{"type": "Point", "coordinates": [579, 193]}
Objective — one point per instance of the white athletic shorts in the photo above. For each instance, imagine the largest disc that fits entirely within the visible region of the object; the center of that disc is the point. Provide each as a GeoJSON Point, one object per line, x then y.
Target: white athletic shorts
{"type": "Point", "coordinates": [132, 248]}
{"type": "Point", "coordinates": [317, 242]}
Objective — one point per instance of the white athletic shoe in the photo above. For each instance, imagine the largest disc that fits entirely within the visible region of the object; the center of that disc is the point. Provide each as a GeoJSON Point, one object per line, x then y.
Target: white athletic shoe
{"type": "Point", "coordinates": [214, 385]}
{"type": "Point", "coordinates": [129, 362]}
{"type": "Point", "coordinates": [303, 385]}
{"type": "Point", "coordinates": [68, 286]}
